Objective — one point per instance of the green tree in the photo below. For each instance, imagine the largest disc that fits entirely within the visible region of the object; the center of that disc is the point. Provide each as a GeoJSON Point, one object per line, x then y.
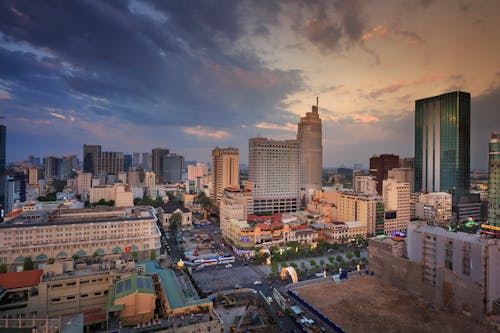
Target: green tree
{"type": "Point", "coordinates": [175, 222]}
{"type": "Point", "coordinates": [204, 201]}
{"type": "Point", "coordinates": [357, 253]}
{"type": "Point", "coordinates": [331, 259]}
{"type": "Point", "coordinates": [312, 262]}
{"type": "Point", "coordinates": [135, 255]}
{"type": "Point", "coordinates": [28, 264]}
{"type": "Point", "coordinates": [274, 268]}
{"type": "Point", "coordinates": [349, 255]}
{"type": "Point", "coordinates": [3, 268]}
{"type": "Point", "coordinates": [335, 246]}
{"type": "Point", "coordinates": [152, 255]}
{"type": "Point", "coordinates": [322, 262]}
{"type": "Point", "coordinates": [340, 260]}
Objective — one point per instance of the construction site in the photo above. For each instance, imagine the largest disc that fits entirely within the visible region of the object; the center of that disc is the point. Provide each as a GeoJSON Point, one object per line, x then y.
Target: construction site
{"type": "Point", "coordinates": [367, 304]}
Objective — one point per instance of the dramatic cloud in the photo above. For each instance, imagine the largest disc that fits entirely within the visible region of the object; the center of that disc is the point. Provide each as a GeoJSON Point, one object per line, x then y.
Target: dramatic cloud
{"type": "Point", "coordinates": [135, 74]}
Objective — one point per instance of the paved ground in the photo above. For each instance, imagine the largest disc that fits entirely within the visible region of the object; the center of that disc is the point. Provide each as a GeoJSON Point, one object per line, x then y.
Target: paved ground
{"type": "Point", "coordinates": [367, 304]}
{"type": "Point", "coordinates": [213, 277]}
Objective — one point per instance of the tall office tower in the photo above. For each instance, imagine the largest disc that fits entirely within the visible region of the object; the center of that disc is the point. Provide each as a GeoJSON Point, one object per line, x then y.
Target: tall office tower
{"type": "Point", "coordinates": [397, 205]}
{"type": "Point", "coordinates": [225, 172]}
{"type": "Point", "coordinates": [442, 144]}
{"type": "Point", "coordinates": [146, 161]}
{"type": "Point", "coordinates": [380, 166]}
{"type": "Point", "coordinates": [111, 162]}
{"type": "Point", "coordinates": [274, 170]}
{"type": "Point", "coordinates": [173, 165]}
{"type": "Point", "coordinates": [136, 160]}
{"type": "Point", "coordinates": [91, 155]}
{"type": "Point", "coordinates": [53, 167]}
{"type": "Point", "coordinates": [309, 135]}
{"type": "Point", "coordinates": [33, 175]}
{"type": "Point", "coordinates": [3, 173]}
{"type": "Point", "coordinates": [127, 162]}
{"type": "Point", "coordinates": [494, 180]}
{"type": "Point", "coordinates": [403, 175]}
{"type": "Point", "coordinates": [67, 167]}
{"type": "Point", "coordinates": [157, 158]}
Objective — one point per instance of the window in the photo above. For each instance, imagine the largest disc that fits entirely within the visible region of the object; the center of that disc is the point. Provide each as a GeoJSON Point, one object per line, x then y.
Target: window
{"type": "Point", "coordinates": [69, 298]}
{"type": "Point", "coordinates": [448, 261]}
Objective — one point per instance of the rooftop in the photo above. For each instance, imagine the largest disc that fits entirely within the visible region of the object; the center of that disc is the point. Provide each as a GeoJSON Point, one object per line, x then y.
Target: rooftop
{"type": "Point", "coordinates": [78, 216]}
{"type": "Point", "coordinates": [14, 280]}
{"type": "Point", "coordinates": [171, 206]}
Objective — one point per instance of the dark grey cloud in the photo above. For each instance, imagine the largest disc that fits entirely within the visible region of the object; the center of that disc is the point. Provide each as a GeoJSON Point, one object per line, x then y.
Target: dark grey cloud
{"type": "Point", "coordinates": [157, 63]}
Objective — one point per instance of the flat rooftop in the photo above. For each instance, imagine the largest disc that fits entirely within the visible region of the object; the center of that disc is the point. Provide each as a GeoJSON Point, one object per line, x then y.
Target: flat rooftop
{"type": "Point", "coordinates": [77, 216]}
{"type": "Point", "coordinates": [367, 304]}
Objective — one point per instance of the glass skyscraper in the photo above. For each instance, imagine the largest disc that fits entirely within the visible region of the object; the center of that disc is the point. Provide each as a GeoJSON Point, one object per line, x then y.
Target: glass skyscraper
{"type": "Point", "coordinates": [442, 144]}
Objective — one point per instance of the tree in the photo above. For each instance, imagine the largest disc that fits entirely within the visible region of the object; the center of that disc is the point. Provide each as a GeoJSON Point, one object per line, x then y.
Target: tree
{"type": "Point", "coordinates": [152, 255]}
{"type": "Point", "coordinates": [175, 222]}
{"type": "Point", "coordinates": [312, 262]}
{"type": "Point", "coordinates": [340, 260]}
{"type": "Point", "coordinates": [349, 255]}
{"type": "Point", "coordinates": [274, 268]}
{"type": "Point", "coordinates": [322, 262]}
{"type": "Point", "coordinates": [203, 200]}
{"type": "Point", "coordinates": [28, 264]}
{"type": "Point", "coordinates": [335, 246]}
{"type": "Point", "coordinates": [3, 268]}
{"type": "Point", "coordinates": [357, 253]}
{"type": "Point", "coordinates": [331, 259]}
{"type": "Point", "coordinates": [135, 255]}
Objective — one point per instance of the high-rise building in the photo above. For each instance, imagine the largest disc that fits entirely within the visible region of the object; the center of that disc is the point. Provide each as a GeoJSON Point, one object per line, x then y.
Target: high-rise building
{"type": "Point", "coordinates": [127, 162]}
{"type": "Point", "coordinates": [111, 162]}
{"type": "Point", "coordinates": [494, 181]}
{"type": "Point", "coordinates": [91, 155]}
{"type": "Point", "coordinates": [146, 161]}
{"type": "Point", "coordinates": [397, 205]}
{"type": "Point", "coordinates": [53, 167]}
{"type": "Point", "coordinates": [136, 160]}
{"type": "Point", "coordinates": [173, 165]}
{"type": "Point", "coordinates": [67, 167]}
{"type": "Point", "coordinates": [380, 166]}
{"type": "Point", "coordinates": [33, 175]}
{"type": "Point", "coordinates": [367, 209]}
{"type": "Point", "coordinates": [442, 144]}
{"type": "Point", "coordinates": [225, 171]}
{"type": "Point", "coordinates": [3, 175]}
{"type": "Point", "coordinates": [309, 135]}
{"type": "Point", "coordinates": [274, 171]}
{"type": "Point", "coordinates": [157, 159]}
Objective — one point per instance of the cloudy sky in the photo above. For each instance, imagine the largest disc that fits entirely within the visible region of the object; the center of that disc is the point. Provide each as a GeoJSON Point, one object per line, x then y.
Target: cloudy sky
{"type": "Point", "coordinates": [192, 75]}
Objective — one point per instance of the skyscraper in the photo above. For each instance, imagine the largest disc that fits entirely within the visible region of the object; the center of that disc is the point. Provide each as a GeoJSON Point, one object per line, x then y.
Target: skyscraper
{"type": "Point", "coordinates": [442, 144]}
{"type": "Point", "coordinates": [173, 165]}
{"type": "Point", "coordinates": [309, 135]}
{"type": "Point", "coordinates": [146, 161]}
{"type": "Point", "coordinates": [91, 158]}
{"type": "Point", "coordinates": [127, 162]}
{"type": "Point", "coordinates": [157, 158]}
{"type": "Point", "coordinates": [225, 171]}
{"type": "Point", "coordinates": [274, 171]}
{"type": "Point", "coordinates": [53, 167]}
{"type": "Point", "coordinates": [380, 166]}
{"type": "Point", "coordinates": [494, 180]}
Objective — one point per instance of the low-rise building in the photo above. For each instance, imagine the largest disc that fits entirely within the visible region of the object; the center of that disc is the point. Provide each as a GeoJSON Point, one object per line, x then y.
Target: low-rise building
{"type": "Point", "coordinates": [170, 208]}
{"type": "Point", "coordinates": [121, 194]}
{"type": "Point", "coordinates": [77, 232]}
{"type": "Point", "coordinates": [434, 207]}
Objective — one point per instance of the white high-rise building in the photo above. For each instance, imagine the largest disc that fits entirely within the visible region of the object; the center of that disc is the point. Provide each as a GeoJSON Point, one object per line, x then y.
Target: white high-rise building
{"type": "Point", "coordinates": [309, 135]}
{"type": "Point", "coordinates": [396, 204]}
{"type": "Point", "coordinates": [274, 170]}
{"type": "Point", "coordinates": [403, 175]}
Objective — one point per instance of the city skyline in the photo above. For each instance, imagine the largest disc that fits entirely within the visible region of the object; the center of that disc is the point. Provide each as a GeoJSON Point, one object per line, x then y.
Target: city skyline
{"type": "Point", "coordinates": [137, 75]}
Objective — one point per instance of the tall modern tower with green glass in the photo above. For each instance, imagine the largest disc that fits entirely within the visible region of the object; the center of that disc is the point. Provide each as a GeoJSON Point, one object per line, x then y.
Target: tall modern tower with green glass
{"type": "Point", "coordinates": [442, 144]}
{"type": "Point", "coordinates": [494, 181]}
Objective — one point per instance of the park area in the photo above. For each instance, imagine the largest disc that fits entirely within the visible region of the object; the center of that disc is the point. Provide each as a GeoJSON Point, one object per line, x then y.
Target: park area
{"type": "Point", "coordinates": [367, 304]}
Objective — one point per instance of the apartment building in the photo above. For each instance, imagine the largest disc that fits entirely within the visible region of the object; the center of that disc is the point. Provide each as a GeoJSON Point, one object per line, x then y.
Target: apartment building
{"type": "Point", "coordinates": [397, 205]}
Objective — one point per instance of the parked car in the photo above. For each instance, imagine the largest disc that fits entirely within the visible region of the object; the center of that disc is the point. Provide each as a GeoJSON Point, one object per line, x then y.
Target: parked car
{"type": "Point", "coordinates": [228, 266]}
{"type": "Point", "coordinates": [257, 282]}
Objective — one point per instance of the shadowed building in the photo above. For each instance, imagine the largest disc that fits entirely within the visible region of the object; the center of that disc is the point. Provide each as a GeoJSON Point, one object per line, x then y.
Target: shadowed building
{"type": "Point", "coordinates": [157, 160]}
{"type": "Point", "coordinates": [225, 172]}
{"type": "Point", "coordinates": [442, 144]}
{"type": "Point", "coordinates": [309, 136]}
{"type": "Point", "coordinates": [380, 166]}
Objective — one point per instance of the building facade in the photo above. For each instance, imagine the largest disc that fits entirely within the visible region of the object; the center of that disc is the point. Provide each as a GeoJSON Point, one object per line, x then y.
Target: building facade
{"type": "Point", "coordinates": [403, 175]}
{"type": "Point", "coordinates": [225, 172]}
{"type": "Point", "coordinates": [494, 181]}
{"type": "Point", "coordinates": [173, 165]}
{"type": "Point", "coordinates": [274, 171]}
{"type": "Point", "coordinates": [157, 160]}
{"type": "Point", "coordinates": [309, 135]}
{"type": "Point", "coordinates": [397, 206]}
{"type": "Point", "coordinates": [442, 144]}
{"type": "Point", "coordinates": [380, 166]}
{"type": "Point", "coordinates": [77, 232]}
{"type": "Point", "coordinates": [91, 155]}
{"type": "Point", "coordinates": [366, 185]}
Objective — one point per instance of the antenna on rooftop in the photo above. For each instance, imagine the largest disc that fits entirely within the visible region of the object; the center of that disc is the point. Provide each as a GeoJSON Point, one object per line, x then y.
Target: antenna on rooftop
{"type": "Point", "coordinates": [317, 101]}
